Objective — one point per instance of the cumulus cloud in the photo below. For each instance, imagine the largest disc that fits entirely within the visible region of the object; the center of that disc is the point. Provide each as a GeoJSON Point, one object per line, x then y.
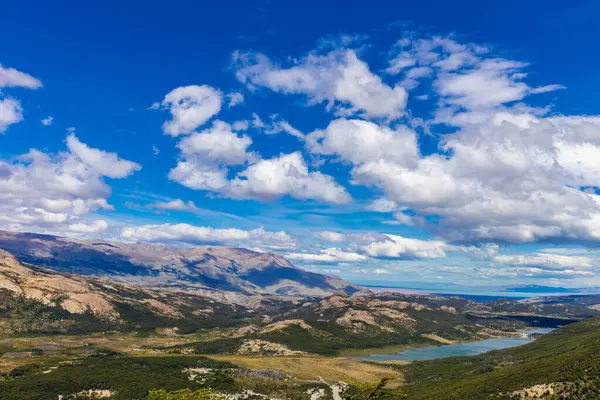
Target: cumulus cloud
{"type": "Point", "coordinates": [190, 107]}
{"type": "Point", "coordinates": [382, 205]}
{"type": "Point", "coordinates": [94, 227]}
{"type": "Point", "coordinates": [218, 144]}
{"type": "Point", "coordinates": [511, 179]}
{"type": "Point", "coordinates": [241, 125]}
{"type": "Point", "coordinates": [329, 255]}
{"type": "Point", "coordinates": [400, 247]}
{"type": "Point", "coordinates": [360, 141]}
{"type": "Point", "coordinates": [200, 176]}
{"type": "Point", "coordinates": [10, 77]}
{"type": "Point", "coordinates": [329, 236]}
{"type": "Point", "coordinates": [47, 121]}
{"type": "Point", "coordinates": [547, 260]}
{"type": "Point", "coordinates": [338, 78]}
{"type": "Point", "coordinates": [11, 112]}
{"type": "Point", "coordinates": [287, 174]}
{"type": "Point", "coordinates": [106, 164]}
{"type": "Point", "coordinates": [190, 234]}
{"type": "Point", "coordinates": [361, 246]}
{"type": "Point", "coordinates": [34, 216]}
{"type": "Point", "coordinates": [175, 205]}
{"type": "Point", "coordinates": [235, 98]}
{"type": "Point", "coordinates": [58, 192]}
{"type": "Point", "coordinates": [468, 80]}
{"type": "Point", "coordinates": [205, 156]}
{"type": "Point", "coordinates": [503, 171]}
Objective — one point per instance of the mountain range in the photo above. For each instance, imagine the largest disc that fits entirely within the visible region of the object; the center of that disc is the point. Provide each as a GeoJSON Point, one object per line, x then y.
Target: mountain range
{"type": "Point", "coordinates": [152, 265]}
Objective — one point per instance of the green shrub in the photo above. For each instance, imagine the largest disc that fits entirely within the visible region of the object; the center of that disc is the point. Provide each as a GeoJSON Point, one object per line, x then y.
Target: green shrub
{"type": "Point", "coordinates": [184, 394]}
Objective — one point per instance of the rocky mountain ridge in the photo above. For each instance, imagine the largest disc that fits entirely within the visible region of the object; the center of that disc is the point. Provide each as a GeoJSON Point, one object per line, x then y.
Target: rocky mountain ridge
{"type": "Point", "coordinates": [34, 299]}
{"type": "Point", "coordinates": [152, 265]}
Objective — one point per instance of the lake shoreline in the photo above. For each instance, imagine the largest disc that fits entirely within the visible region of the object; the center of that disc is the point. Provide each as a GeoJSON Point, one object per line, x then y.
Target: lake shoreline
{"type": "Point", "coordinates": [453, 350]}
{"type": "Point", "coordinates": [518, 338]}
{"type": "Point", "coordinates": [356, 353]}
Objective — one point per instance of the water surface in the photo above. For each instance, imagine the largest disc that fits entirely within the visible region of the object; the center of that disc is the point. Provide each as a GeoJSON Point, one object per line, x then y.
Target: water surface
{"type": "Point", "coordinates": [453, 350]}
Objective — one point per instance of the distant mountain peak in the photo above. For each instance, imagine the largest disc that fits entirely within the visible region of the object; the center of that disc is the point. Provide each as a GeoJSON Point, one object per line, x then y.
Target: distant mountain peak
{"type": "Point", "coordinates": [156, 265]}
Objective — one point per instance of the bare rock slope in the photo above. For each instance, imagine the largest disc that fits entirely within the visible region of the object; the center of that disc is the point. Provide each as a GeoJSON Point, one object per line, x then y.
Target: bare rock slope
{"type": "Point", "coordinates": [151, 265]}
{"type": "Point", "coordinates": [79, 294]}
{"type": "Point", "coordinates": [34, 299]}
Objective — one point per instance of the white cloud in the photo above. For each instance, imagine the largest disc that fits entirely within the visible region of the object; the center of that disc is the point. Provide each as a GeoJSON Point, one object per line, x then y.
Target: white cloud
{"type": "Point", "coordinates": [175, 205]}
{"type": "Point", "coordinates": [285, 175]}
{"type": "Point", "coordinates": [155, 150]}
{"type": "Point", "coordinates": [547, 88]}
{"type": "Point", "coordinates": [547, 260]}
{"type": "Point", "coordinates": [199, 176]}
{"type": "Point", "coordinates": [256, 121]}
{"type": "Point", "coordinates": [381, 271]}
{"type": "Point", "coordinates": [274, 126]}
{"type": "Point", "coordinates": [94, 227]}
{"type": "Point", "coordinates": [339, 78]}
{"type": "Point", "coordinates": [514, 177]}
{"type": "Point", "coordinates": [400, 247]}
{"type": "Point", "coordinates": [47, 121]}
{"type": "Point", "coordinates": [490, 84]}
{"type": "Point", "coordinates": [57, 192]}
{"type": "Point", "coordinates": [190, 107]}
{"type": "Point", "coordinates": [205, 156]}
{"type": "Point", "coordinates": [107, 164]}
{"type": "Point", "coordinates": [235, 98]}
{"type": "Point", "coordinates": [505, 172]}
{"type": "Point", "coordinates": [329, 255]}
{"type": "Point", "coordinates": [33, 216]}
{"type": "Point", "coordinates": [240, 125]}
{"type": "Point", "coordinates": [407, 219]}
{"type": "Point", "coordinates": [469, 82]}
{"type": "Point", "coordinates": [566, 250]}
{"type": "Point", "coordinates": [329, 236]}
{"type": "Point", "coordinates": [382, 205]}
{"type": "Point", "coordinates": [191, 234]}
{"type": "Point", "coordinates": [218, 144]}
{"type": "Point", "coordinates": [278, 125]}
{"type": "Point", "coordinates": [11, 112]}
{"type": "Point", "coordinates": [363, 141]}
{"type": "Point", "coordinates": [10, 77]}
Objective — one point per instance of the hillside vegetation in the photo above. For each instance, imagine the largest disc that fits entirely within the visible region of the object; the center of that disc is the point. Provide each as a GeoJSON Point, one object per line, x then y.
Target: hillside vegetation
{"type": "Point", "coordinates": [38, 300]}
{"type": "Point", "coordinates": [564, 364]}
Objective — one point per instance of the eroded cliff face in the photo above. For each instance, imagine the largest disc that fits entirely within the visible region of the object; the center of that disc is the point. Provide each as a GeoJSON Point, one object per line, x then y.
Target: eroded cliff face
{"type": "Point", "coordinates": [74, 294]}
{"type": "Point", "coordinates": [106, 299]}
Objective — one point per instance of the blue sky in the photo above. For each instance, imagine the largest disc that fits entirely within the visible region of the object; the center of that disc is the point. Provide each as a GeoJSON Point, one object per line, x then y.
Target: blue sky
{"type": "Point", "coordinates": [379, 141]}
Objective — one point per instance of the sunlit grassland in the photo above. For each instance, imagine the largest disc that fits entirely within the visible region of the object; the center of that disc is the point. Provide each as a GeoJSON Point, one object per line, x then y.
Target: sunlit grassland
{"type": "Point", "coordinates": [315, 367]}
